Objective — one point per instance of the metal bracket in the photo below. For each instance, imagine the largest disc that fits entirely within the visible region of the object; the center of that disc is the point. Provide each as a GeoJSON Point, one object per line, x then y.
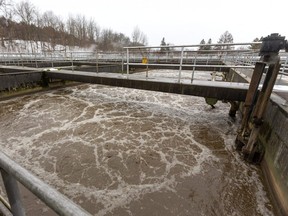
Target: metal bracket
{"type": "Point", "coordinates": [272, 44]}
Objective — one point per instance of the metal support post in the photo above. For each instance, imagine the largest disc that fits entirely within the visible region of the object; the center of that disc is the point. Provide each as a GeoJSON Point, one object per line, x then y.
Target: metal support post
{"type": "Point", "coordinates": [181, 62]}
{"type": "Point", "coordinates": [13, 194]}
{"type": "Point", "coordinates": [36, 63]}
{"type": "Point", "coordinates": [195, 59]}
{"type": "Point", "coordinates": [71, 57]}
{"type": "Point", "coordinates": [266, 90]}
{"type": "Point", "coordinates": [250, 149]}
{"type": "Point", "coordinates": [52, 60]}
{"type": "Point", "coordinates": [97, 63]}
{"type": "Point", "coordinates": [233, 108]}
{"type": "Point", "coordinates": [225, 56]}
{"type": "Point", "coordinates": [252, 95]}
{"type": "Point", "coordinates": [51, 197]}
{"type": "Point", "coordinates": [256, 103]}
{"type": "Point", "coordinates": [122, 56]}
{"type": "Point", "coordinates": [127, 58]}
{"type": "Point", "coordinates": [22, 60]}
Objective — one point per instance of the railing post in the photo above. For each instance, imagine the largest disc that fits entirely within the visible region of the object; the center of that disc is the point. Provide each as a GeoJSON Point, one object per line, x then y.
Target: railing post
{"type": "Point", "coordinates": [97, 62]}
{"type": "Point", "coordinates": [5, 59]}
{"type": "Point", "coordinates": [52, 60]}
{"type": "Point", "coordinates": [284, 67]}
{"type": "Point", "coordinates": [51, 197]}
{"type": "Point", "coordinates": [122, 65]}
{"type": "Point", "coordinates": [36, 64]}
{"type": "Point", "coordinates": [13, 194]}
{"type": "Point", "coordinates": [181, 62]}
{"type": "Point", "coordinates": [21, 59]}
{"type": "Point", "coordinates": [71, 57]}
{"type": "Point", "coordinates": [195, 59]}
{"type": "Point", "coordinates": [225, 57]}
{"type": "Point", "coordinates": [127, 62]}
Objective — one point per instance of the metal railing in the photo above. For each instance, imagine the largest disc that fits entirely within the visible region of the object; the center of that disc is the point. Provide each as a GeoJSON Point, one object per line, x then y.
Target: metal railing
{"type": "Point", "coordinates": [183, 55]}
{"type": "Point", "coordinates": [284, 68]}
{"type": "Point", "coordinates": [235, 58]}
{"type": "Point", "coordinates": [13, 172]}
{"type": "Point", "coordinates": [20, 59]}
{"type": "Point", "coordinates": [167, 56]}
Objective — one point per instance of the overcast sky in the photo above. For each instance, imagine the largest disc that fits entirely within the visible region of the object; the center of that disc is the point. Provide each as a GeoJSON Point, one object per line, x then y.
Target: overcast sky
{"type": "Point", "coordinates": [180, 21]}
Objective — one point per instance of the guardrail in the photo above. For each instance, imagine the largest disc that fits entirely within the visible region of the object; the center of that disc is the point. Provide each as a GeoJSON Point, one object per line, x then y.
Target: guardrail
{"type": "Point", "coordinates": [180, 56]}
{"type": "Point", "coordinates": [220, 54]}
{"type": "Point", "coordinates": [13, 172]}
{"type": "Point", "coordinates": [239, 58]}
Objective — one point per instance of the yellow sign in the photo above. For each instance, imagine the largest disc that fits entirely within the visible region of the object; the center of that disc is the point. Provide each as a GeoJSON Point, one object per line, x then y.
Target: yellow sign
{"type": "Point", "coordinates": [144, 60]}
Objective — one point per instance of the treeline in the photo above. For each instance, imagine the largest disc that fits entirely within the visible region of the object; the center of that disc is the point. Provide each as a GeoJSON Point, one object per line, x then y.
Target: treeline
{"type": "Point", "coordinates": [46, 30]}
{"type": "Point", "coordinates": [226, 38]}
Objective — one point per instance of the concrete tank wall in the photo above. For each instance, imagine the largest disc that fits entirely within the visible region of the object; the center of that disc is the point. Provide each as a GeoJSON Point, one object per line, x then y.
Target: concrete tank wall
{"type": "Point", "coordinates": [274, 137]}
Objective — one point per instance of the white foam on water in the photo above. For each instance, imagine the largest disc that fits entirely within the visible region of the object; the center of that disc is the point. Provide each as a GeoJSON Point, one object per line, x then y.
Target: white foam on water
{"type": "Point", "coordinates": [150, 129]}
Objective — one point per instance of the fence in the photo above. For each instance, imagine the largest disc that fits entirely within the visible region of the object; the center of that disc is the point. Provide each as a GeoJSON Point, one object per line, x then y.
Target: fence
{"type": "Point", "coordinates": [185, 57]}
{"type": "Point", "coordinates": [12, 172]}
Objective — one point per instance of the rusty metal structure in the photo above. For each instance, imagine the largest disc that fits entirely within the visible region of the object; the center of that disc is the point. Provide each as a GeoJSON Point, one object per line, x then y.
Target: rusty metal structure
{"type": "Point", "coordinates": [258, 96]}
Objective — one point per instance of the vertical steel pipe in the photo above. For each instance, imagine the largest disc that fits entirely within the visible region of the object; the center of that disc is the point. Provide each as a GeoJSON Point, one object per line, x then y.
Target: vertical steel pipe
{"type": "Point", "coordinates": [127, 58]}
{"type": "Point", "coordinates": [181, 62]}
{"type": "Point", "coordinates": [52, 198]}
{"type": "Point", "coordinates": [195, 59]}
{"type": "Point", "coordinates": [13, 194]}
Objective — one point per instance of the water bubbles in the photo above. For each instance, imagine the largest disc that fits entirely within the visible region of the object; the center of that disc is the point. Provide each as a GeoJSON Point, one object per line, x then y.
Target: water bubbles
{"type": "Point", "coordinates": [124, 151]}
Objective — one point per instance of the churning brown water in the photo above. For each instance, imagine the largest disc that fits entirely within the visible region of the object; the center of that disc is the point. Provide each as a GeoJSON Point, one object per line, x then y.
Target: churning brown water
{"type": "Point", "coordinates": [118, 151]}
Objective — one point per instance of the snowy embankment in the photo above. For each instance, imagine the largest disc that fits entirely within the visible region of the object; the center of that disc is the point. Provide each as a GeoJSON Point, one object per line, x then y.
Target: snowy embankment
{"type": "Point", "coordinates": [22, 46]}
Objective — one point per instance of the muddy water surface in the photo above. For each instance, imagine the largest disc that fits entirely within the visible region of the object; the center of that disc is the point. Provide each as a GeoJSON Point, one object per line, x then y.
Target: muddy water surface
{"type": "Point", "coordinates": [118, 151]}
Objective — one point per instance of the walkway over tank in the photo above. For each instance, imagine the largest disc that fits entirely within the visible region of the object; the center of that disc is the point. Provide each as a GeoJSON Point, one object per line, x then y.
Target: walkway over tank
{"type": "Point", "coordinates": [211, 89]}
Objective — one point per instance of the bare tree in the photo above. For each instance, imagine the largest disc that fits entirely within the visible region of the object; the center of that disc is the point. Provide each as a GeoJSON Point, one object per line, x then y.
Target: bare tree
{"type": "Point", "coordinates": [38, 34]}
{"type": "Point", "coordinates": [106, 40]}
{"type": "Point", "coordinates": [6, 9]}
{"type": "Point", "coordinates": [50, 27]}
{"type": "Point", "coordinates": [61, 28]}
{"type": "Point", "coordinates": [138, 37]}
{"type": "Point", "coordinates": [93, 31]}
{"type": "Point", "coordinates": [71, 29]}
{"type": "Point", "coordinates": [80, 23]}
{"type": "Point", "coordinates": [23, 21]}
{"type": "Point", "coordinates": [26, 12]}
{"type": "Point", "coordinates": [6, 14]}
